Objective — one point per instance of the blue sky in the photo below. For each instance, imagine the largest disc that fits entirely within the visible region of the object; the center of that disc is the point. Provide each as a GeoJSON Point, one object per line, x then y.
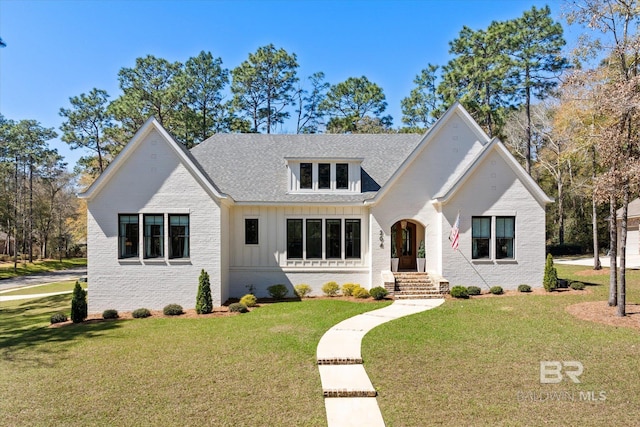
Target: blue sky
{"type": "Point", "coordinates": [57, 49]}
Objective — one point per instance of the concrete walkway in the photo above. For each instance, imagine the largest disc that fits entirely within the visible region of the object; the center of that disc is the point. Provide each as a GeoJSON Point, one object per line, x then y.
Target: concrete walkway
{"type": "Point", "coordinates": [633, 261]}
{"type": "Point", "coordinates": [43, 278]}
{"type": "Point", "coordinates": [350, 398]}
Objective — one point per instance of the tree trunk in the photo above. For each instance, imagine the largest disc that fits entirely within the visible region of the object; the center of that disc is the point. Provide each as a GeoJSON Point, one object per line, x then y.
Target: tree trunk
{"type": "Point", "coordinates": [613, 252]}
{"type": "Point", "coordinates": [594, 217]}
{"type": "Point", "coordinates": [622, 281]}
{"type": "Point", "coordinates": [560, 211]}
{"type": "Point", "coordinates": [528, 110]}
{"type": "Point", "coordinates": [30, 208]}
{"type": "Point", "coordinates": [15, 222]}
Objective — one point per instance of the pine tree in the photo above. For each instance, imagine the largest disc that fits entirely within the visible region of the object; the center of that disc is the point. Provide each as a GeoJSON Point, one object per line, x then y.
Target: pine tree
{"type": "Point", "coordinates": [204, 304]}
{"type": "Point", "coordinates": [550, 281]}
{"type": "Point", "coordinates": [79, 304]}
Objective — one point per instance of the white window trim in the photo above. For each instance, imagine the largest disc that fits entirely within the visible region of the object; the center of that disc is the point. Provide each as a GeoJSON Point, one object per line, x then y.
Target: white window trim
{"type": "Point", "coordinates": [493, 239]}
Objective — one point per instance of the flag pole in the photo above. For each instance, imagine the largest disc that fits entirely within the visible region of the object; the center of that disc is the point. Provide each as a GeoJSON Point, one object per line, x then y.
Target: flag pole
{"type": "Point", "coordinates": [454, 238]}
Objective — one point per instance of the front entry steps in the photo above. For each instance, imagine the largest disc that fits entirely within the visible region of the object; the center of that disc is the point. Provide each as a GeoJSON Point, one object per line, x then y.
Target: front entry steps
{"type": "Point", "coordinates": [414, 285]}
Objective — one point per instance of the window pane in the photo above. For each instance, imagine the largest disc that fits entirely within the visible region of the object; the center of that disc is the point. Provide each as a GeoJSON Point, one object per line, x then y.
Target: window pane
{"type": "Point", "coordinates": [505, 236]}
{"type": "Point", "coordinates": [179, 236]}
{"type": "Point", "coordinates": [481, 226]}
{"type": "Point", "coordinates": [352, 238]}
{"type": "Point", "coordinates": [481, 236]}
{"type": "Point", "coordinates": [128, 236]}
{"type": "Point", "coordinates": [153, 236]}
{"type": "Point", "coordinates": [334, 238]}
{"type": "Point", "coordinates": [314, 238]}
{"type": "Point", "coordinates": [342, 176]}
{"type": "Point", "coordinates": [294, 238]}
{"type": "Point", "coordinates": [324, 175]}
{"type": "Point", "coordinates": [251, 231]}
{"type": "Point", "coordinates": [305, 175]}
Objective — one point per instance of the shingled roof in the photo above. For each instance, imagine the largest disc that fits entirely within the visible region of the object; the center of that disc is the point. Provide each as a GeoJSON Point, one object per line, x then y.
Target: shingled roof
{"type": "Point", "coordinates": [252, 167]}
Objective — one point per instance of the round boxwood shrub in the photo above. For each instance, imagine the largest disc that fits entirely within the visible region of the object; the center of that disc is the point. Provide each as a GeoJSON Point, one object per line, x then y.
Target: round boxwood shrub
{"type": "Point", "coordinates": [173, 310]}
{"type": "Point", "coordinates": [496, 290]}
{"type": "Point", "coordinates": [249, 300]}
{"type": "Point", "coordinates": [302, 290]}
{"type": "Point", "coordinates": [330, 289]}
{"type": "Point", "coordinates": [347, 289]}
{"type": "Point", "coordinates": [237, 307]}
{"type": "Point", "coordinates": [459, 292]}
{"type": "Point", "coordinates": [58, 318]}
{"type": "Point", "coordinates": [277, 291]}
{"type": "Point", "coordinates": [473, 290]}
{"type": "Point", "coordinates": [140, 313]}
{"type": "Point", "coordinates": [524, 288]}
{"type": "Point", "coordinates": [360, 292]}
{"type": "Point", "coordinates": [578, 286]}
{"type": "Point", "coordinates": [378, 292]}
{"type": "Point", "coordinates": [110, 314]}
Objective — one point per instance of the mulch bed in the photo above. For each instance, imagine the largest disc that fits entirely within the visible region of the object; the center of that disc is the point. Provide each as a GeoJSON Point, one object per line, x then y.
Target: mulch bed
{"type": "Point", "coordinates": [600, 312]}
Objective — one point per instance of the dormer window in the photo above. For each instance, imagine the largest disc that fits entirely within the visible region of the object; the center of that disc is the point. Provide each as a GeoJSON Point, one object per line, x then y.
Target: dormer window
{"type": "Point", "coordinates": [324, 176]}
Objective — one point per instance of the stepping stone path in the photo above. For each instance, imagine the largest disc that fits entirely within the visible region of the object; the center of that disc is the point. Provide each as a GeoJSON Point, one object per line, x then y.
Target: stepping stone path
{"type": "Point", "coordinates": [350, 398]}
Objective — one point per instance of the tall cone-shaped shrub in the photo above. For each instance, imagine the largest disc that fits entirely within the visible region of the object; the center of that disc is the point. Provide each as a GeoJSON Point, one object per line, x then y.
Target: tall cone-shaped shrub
{"type": "Point", "coordinates": [204, 304]}
{"type": "Point", "coordinates": [78, 304]}
{"type": "Point", "coordinates": [550, 281]}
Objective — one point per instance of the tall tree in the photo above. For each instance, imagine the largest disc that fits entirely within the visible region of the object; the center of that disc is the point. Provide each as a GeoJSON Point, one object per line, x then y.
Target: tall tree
{"type": "Point", "coordinates": [87, 122]}
{"type": "Point", "coordinates": [534, 43]}
{"type": "Point", "coordinates": [420, 108]}
{"type": "Point", "coordinates": [309, 116]}
{"type": "Point", "coordinates": [263, 87]}
{"type": "Point", "coordinates": [349, 102]}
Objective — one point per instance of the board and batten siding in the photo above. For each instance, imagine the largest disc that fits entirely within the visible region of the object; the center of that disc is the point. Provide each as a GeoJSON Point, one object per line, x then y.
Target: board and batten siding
{"type": "Point", "coordinates": [494, 190]}
{"type": "Point", "coordinates": [153, 180]}
{"type": "Point", "coordinates": [266, 263]}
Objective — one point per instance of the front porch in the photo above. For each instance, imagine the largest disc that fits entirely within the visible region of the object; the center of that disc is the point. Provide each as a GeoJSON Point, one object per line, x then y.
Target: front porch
{"type": "Point", "coordinates": [414, 285]}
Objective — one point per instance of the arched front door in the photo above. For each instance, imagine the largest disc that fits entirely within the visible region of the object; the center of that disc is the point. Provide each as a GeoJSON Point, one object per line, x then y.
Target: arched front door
{"type": "Point", "coordinates": [403, 237]}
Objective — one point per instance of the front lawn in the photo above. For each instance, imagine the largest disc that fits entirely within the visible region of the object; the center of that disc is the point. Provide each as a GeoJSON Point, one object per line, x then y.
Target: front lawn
{"type": "Point", "coordinates": [26, 268]}
{"type": "Point", "coordinates": [467, 362]}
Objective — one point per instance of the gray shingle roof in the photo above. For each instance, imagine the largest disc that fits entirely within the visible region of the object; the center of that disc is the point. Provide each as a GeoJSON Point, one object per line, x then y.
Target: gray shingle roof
{"type": "Point", "coordinates": [252, 167]}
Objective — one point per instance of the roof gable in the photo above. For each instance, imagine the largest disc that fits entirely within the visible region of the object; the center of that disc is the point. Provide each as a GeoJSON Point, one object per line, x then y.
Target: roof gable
{"type": "Point", "coordinates": [185, 158]}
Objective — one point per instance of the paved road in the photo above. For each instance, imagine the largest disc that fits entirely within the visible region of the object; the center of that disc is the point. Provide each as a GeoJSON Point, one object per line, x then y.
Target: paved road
{"type": "Point", "coordinates": [42, 278]}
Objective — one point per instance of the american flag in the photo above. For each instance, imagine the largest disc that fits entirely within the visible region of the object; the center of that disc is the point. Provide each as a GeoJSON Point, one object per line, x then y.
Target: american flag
{"type": "Point", "coordinates": [455, 233]}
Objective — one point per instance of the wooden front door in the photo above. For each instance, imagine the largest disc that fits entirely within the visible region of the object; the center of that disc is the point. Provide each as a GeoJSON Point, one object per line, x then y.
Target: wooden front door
{"type": "Point", "coordinates": [405, 244]}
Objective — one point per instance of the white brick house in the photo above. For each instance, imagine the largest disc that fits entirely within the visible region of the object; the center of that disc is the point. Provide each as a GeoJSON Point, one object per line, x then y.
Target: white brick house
{"type": "Point", "coordinates": [256, 210]}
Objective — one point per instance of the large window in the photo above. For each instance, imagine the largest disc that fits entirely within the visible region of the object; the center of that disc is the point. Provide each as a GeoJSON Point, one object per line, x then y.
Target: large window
{"type": "Point", "coordinates": [342, 176]}
{"type": "Point", "coordinates": [251, 231]}
{"type": "Point", "coordinates": [481, 236]}
{"type": "Point", "coordinates": [314, 238]}
{"type": "Point", "coordinates": [505, 235]}
{"type": "Point", "coordinates": [294, 238]}
{"type": "Point", "coordinates": [324, 176]}
{"type": "Point", "coordinates": [128, 236]}
{"type": "Point", "coordinates": [306, 176]}
{"type": "Point", "coordinates": [178, 236]}
{"type": "Point", "coordinates": [334, 238]}
{"type": "Point", "coordinates": [153, 236]}
{"type": "Point", "coordinates": [352, 238]}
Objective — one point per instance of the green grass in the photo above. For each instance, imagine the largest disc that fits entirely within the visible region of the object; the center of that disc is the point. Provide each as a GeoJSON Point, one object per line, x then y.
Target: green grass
{"type": "Point", "coordinates": [45, 289]}
{"type": "Point", "coordinates": [471, 362]}
{"type": "Point", "coordinates": [6, 268]}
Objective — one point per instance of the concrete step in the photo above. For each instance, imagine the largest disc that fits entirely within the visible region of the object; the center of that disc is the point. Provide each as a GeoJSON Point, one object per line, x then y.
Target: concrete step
{"type": "Point", "coordinates": [426, 296]}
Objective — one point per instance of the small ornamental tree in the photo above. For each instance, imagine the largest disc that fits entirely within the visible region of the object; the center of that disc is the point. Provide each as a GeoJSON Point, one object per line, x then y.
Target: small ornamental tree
{"type": "Point", "coordinates": [204, 304]}
{"type": "Point", "coordinates": [550, 281]}
{"type": "Point", "coordinates": [78, 304]}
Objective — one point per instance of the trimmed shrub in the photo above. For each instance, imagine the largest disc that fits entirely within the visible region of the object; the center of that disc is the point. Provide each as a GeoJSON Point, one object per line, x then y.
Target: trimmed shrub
{"type": "Point", "coordinates": [204, 302]}
{"type": "Point", "coordinates": [58, 318]}
{"type": "Point", "coordinates": [524, 288]}
{"type": "Point", "coordinates": [347, 289]}
{"type": "Point", "coordinates": [236, 307]}
{"type": "Point", "coordinates": [459, 292]}
{"type": "Point", "coordinates": [140, 313]}
{"type": "Point", "coordinates": [330, 289]}
{"type": "Point", "coordinates": [172, 310]}
{"type": "Point", "coordinates": [550, 280]}
{"type": "Point", "coordinates": [302, 290]}
{"type": "Point", "coordinates": [421, 251]}
{"type": "Point", "coordinates": [473, 290]}
{"type": "Point", "coordinates": [78, 304]}
{"type": "Point", "coordinates": [278, 291]}
{"type": "Point", "coordinates": [578, 286]}
{"type": "Point", "coordinates": [378, 293]}
{"type": "Point", "coordinates": [110, 314]}
{"type": "Point", "coordinates": [249, 300]}
{"type": "Point", "coordinates": [496, 290]}
{"type": "Point", "coordinates": [360, 292]}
